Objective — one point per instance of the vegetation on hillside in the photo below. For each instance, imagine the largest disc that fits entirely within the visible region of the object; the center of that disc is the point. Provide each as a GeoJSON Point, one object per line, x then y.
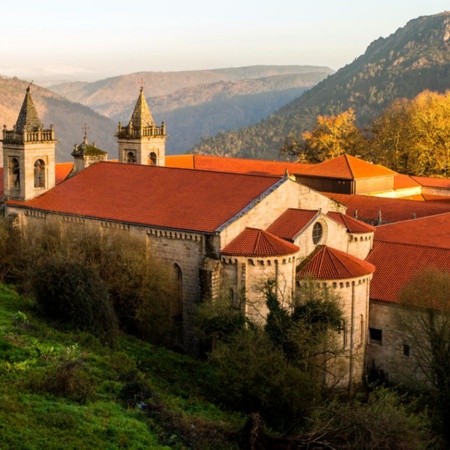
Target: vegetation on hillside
{"type": "Point", "coordinates": [409, 136]}
{"type": "Point", "coordinates": [64, 381]}
{"type": "Point", "coordinates": [413, 59]}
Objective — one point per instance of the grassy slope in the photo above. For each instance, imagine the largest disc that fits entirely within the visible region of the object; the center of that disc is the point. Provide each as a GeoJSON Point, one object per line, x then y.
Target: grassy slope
{"type": "Point", "coordinates": [36, 414]}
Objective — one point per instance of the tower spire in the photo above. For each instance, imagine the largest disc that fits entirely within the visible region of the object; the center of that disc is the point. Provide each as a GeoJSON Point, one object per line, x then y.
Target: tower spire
{"type": "Point", "coordinates": [141, 117]}
{"type": "Point", "coordinates": [28, 119]}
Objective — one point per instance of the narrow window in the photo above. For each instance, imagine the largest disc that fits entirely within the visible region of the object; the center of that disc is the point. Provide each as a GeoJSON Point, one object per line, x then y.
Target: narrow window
{"type": "Point", "coordinates": [376, 336]}
{"type": "Point", "coordinates": [406, 349]}
{"type": "Point", "coordinates": [39, 174]}
{"type": "Point", "coordinates": [317, 232]}
{"type": "Point", "coordinates": [14, 172]}
{"type": "Point", "coordinates": [178, 306]}
{"type": "Point", "coordinates": [153, 159]}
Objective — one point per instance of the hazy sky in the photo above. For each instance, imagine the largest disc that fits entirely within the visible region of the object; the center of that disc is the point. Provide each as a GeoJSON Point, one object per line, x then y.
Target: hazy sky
{"type": "Point", "coordinates": [94, 39]}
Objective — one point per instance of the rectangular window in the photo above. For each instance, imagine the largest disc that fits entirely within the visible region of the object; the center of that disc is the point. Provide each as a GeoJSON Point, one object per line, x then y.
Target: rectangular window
{"type": "Point", "coordinates": [406, 349]}
{"type": "Point", "coordinates": [376, 336]}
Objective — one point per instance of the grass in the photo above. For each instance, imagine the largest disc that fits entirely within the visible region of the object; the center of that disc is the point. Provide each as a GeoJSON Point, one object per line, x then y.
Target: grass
{"type": "Point", "coordinates": [62, 389]}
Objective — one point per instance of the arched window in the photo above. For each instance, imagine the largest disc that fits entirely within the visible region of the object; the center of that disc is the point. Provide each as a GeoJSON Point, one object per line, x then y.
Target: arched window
{"type": "Point", "coordinates": [153, 159]}
{"type": "Point", "coordinates": [39, 174]}
{"type": "Point", "coordinates": [178, 306]}
{"type": "Point", "coordinates": [317, 232]}
{"type": "Point", "coordinates": [14, 173]}
{"type": "Point", "coordinates": [131, 158]}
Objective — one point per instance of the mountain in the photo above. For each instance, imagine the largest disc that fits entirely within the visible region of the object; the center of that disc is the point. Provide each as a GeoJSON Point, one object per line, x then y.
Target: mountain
{"type": "Point", "coordinates": [198, 103]}
{"type": "Point", "coordinates": [69, 118]}
{"type": "Point", "coordinates": [414, 58]}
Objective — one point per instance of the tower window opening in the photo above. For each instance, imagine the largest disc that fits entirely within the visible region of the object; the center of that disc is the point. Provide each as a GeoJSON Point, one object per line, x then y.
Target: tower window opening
{"type": "Point", "coordinates": [39, 174]}
{"type": "Point", "coordinates": [131, 158]}
{"type": "Point", "coordinates": [14, 173]}
{"type": "Point", "coordinates": [153, 160]}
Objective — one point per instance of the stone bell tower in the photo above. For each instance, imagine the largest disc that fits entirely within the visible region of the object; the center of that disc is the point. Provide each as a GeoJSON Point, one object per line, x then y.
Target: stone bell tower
{"type": "Point", "coordinates": [28, 155]}
{"type": "Point", "coordinates": [142, 142]}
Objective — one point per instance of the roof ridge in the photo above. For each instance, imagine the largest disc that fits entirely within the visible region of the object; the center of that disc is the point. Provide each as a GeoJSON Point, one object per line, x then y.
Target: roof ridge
{"type": "Point", "coordinates": [349, 165]}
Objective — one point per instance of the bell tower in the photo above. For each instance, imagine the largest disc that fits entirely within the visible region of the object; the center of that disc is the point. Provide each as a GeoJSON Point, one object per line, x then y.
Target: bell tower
{"type": "Point", "coordinates": [142, 142]}
{"type": "Point", "coordinates": [28, 155]}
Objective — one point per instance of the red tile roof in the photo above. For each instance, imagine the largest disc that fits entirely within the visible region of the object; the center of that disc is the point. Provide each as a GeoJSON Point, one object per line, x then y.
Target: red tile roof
{"type": "Point", "coordinates": [328, 263]}
{"type": "Point", "coordinates": [154, 196]}
{"type": "Point", "coordinates": [62, 170]}
{"type": "Point", "coordinates": [349, 168]}
{"type": "Point", "coordinates": [291, 222]}
{"type": "Point", "coordinates": [443, 183]}
{"type": "Point", "coordinates": [236, 165]}
{"type": "Point", "coordinates": [431, 231]}
{"type": "Point", "coordinates": [253, 242]}
{"type": "Point", "coordinates": [404, 181]}
{"type": "Point", "coordinates": [396, 263]}
{"type": "Point", "coordinates": [353, 225]}
{"type": "Point", "coordinates": [392, 209]}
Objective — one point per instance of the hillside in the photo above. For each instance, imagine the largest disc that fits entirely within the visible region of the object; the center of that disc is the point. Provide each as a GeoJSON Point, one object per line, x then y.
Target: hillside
{"type": "Point", "coordinates": [61, 389]}
{"type": "Point", "coordinates": [414, 58]}
{"type": "Point", "coordinates": [198, 103]}
{"type": "Point", "coordinates": [68, 117]}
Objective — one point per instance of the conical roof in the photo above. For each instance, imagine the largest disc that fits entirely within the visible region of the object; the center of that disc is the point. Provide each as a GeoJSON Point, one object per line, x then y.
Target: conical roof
{"type": "Point", "coordinates": [255, 242]}
{"type": "Point", "coordinates": [141, 117]}
{"type": "Point", "coordinates": [328, 263]}
{"type": "Point", "coordinates": [28, 119]}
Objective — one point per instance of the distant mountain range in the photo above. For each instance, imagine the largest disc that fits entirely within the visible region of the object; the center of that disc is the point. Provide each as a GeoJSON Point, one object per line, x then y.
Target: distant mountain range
{"type": "Point", "coordinates": [69, 118]}
{"type": "Point", "coordinates": [414, 58]}
{"type": "Point", "coordinates": [198, 103]}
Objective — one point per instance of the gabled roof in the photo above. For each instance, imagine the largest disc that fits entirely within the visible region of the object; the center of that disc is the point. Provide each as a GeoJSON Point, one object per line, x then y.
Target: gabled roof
{"type": "Point", "coordinates": [396, 263]}
{"type": "Point", "coordinates": [155, 196]}
{"type": "Point", "coordinates": [253, 242]}
{"type": "Point", "coordinates": [141, 116]}
{"type": "Point", "coordinates": [348, 168]}
{"type": "Point", "coordinates": [431, 231]}
{"type": "Point", "coordinates": [328, 263]}
{"type": "Point", "coordinates": [392, 209]}
{"type": "Point", "coordinates": [236, 165]}
{"type": "Point", "coordinates": [351, 224]}
{"type": "Point", "coordinates": [291, 223]}
{"type": "Point", "coordinates": [28, 119]}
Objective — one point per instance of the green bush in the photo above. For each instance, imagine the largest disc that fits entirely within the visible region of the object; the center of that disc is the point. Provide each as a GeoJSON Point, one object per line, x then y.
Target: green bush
{"type": "Point", "coordinates": [75, 295]}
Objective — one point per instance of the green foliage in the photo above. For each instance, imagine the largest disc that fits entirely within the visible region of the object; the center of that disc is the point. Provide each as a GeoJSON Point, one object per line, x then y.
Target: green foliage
{"type": "Point", "coordinates": [75, 295]}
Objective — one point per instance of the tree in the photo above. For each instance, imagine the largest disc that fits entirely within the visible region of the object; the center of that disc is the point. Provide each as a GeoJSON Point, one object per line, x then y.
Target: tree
{"type": "Point", "coordinates": [332, 136]}
{"type": "Point", "coordinates": [424, 323]}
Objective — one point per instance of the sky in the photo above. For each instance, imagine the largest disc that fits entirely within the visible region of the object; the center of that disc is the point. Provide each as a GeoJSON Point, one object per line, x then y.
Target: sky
{"type": "Point", "coordinates": [90, 40]}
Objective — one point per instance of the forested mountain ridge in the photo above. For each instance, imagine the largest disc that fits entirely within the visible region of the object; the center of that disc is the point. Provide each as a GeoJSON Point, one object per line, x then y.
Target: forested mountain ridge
{"type": "Point", "coordinates": [414, 58]}
{"type": "Point", "coordinates": [198, 103]}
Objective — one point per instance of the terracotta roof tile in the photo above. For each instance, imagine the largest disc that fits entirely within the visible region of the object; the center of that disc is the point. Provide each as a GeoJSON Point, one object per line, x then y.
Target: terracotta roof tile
{"type": "Point", "coordinates": [155, 196]}
{"type": "Point", "coordinates": [328, 263]}
{"type": "Point", "coordinates": [349, 168]}
{"type": "Point", "coordinates": [431, 231]}
{"type": "Point", "coordinates": [396, 263]}
{"type": "Point", "coordinates": [62, 170]}
{"type": "Point", "coordinates": [392, 209]}
{"type": "Point", "coordinates": [433, 182]}
{"type": "Point", "coordinates": [353, 225]}
{"type": "Point", "coordinates": [236, 165]}
{"type": "Point", "coordinates": [404, 182]}
{"type": "Point", "coordinates": [291, 222]}
{"type": "Point", "coordinates": [253, 242]}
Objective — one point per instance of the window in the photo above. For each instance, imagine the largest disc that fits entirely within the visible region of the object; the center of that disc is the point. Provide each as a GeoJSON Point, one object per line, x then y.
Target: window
{"type": "Point", "coordinates": [376, 336]}
{"type": "Point", "coordinates": [406, 349]}
{"type": "Point", "coordinates": [14, 171]}
{"type": "Point", "coordinates": [153, 159]}
{"type": "Point", "coordinates": [131, 158]}
{"type": "Point", "coordinates": [317, 232]}
{"type": "Point", "coordinates": [39, 174]}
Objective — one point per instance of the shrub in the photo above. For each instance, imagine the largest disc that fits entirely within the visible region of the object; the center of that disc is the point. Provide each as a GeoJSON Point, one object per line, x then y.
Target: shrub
{"type": "Point", "coordinates": [75, 295]}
